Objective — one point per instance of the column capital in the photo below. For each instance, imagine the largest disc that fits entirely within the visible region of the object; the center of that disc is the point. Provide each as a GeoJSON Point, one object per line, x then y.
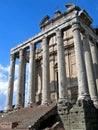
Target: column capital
{"type": "Point", "coordinates": [75, 26]}
{"type": "Point", "coordinates": [58, 32]}
{"type": "Point", "coordinates": [94, 40]}
{"type": "Point", "coordinates": [45, 36]}
{"type": "Point", "coordinates": [86, 37]}
{"type": "Point", "coordinates": [32, 47]}
{"type": "Point", "coordinates": [12, 57]}
{"type": "Point", "coordinates": [44, 41]}
{"type": "Point", "coordinates": [86, 34]}
{"type": "Point", "coordinates": [21, 52]}
{"type": "Point", "coordinates": [93, 43]}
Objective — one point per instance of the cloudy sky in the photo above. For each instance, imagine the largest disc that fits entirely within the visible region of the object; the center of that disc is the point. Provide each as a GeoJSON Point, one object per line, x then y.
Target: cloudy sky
{"type": "Point", "coordinates": [19, 20]}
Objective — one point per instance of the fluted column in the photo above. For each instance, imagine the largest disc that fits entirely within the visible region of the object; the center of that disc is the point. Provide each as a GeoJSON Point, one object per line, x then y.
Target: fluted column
{"type": "Point", "coordinates": [20, 80]}
{"type": "Point", "coordinates": [45, 73]}
{"type": "Point", "coordinates": [31, 80]}
{"type": "Point", "coordinates": [80, 66]}
{"type": "Point", "coordinates": [10, 83]}
{"type": "Point", "coordinates": [89, 70]}
{"type": "Point", "coordinates": [95, 61]}
{"type": "Point", "coordinates": [61, 67]}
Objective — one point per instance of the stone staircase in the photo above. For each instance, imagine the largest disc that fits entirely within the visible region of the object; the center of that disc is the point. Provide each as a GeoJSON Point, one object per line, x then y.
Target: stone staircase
{"type": "Point", "coordinates": [26, 118]}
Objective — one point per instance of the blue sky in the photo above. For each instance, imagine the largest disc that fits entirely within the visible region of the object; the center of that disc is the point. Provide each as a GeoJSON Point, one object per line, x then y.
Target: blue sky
{"type": "Point", "coordinates": [19, 20]}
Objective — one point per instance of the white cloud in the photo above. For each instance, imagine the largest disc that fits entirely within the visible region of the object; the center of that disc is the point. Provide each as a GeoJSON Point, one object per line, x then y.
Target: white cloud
{"type": "Point", "coordinates": [4, 69]}
{"type": "Point", "coordinates": [4, 73]}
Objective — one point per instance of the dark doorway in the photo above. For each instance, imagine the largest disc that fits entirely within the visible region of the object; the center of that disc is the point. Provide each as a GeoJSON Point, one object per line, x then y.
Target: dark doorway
{"type": "Point", "coordinates": [49, 122]}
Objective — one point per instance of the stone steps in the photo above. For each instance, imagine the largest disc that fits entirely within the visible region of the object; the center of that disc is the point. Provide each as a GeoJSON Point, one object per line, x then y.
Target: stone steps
{"type": "Point", "coordinates": [23, 118]}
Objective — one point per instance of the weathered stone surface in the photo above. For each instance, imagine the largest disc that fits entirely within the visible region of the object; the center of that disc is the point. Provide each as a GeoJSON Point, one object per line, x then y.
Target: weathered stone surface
{"type": "Point", "coordinates": [20, 80]}
{"type": "Point", "coordinates": [60, 75]}
{"type": "Point", "coordinates": [90, 71]}
{"type": "Point", "coordinates": [31, 80]}
{"type": "Point", "coordinates": [94, 54]}
{"type": "Point", "coordinates": [27, 117]}
{"type": "Point", "coordinates": [61, 67]}
{"type": "Point", "coordinates": [81, 72]}
{"type": "Point", "coordinates": [84, 117]}
{"type": "Point", "coordinates": [10, 83]}
{"type": "Point", "coordinates": [45, 73]}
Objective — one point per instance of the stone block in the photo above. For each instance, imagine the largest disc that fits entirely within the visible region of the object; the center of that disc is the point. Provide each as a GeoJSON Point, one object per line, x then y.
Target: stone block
{"type": "Point", "coordinates": [82, 116]}
{"type": "Point", "coordinates": [8, 125]}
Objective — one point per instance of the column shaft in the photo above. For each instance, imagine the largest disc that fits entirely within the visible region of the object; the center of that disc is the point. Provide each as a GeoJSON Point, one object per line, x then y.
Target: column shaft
{"type": "Point", "coordinates": [10, 83]}
{"type": "Point", "coordinates": [89, 70]}
{"type": "Point", "coordinates": [31, 80]}
{"type": "Point", "coordinates": [23, 83]}
{"type": "Point", "coordinates": [45, 73]}
{"type": "Point", "coordinates": [20, 80]}
{"type": "Point", "coordinates": [95, 61]}
{"type": "Point", "coordinates": [80, 66]}
{"type": "Point", "coordinates": [61, 67]}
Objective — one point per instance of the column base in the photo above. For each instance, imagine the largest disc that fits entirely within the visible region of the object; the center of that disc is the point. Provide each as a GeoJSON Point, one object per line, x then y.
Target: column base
{"type": "Point", "coordinates": [63, 104]}
{"type": "Point", "coordinates": [18, 106]}
{"type": "Point", "coordinates": [31, 104]}
{"type": "Point", "coordinates": [95, 102]}
{"type": "Point", "coordinates": [45, 102]}
{"type": "Point", "coordinates": [62, 100]}
{"type": "Point", "coordinates": [85, 96]}
{"type": "Point", "coordinates": [8, 108]}
{"type": "Point", "coordinates": [63, 107]}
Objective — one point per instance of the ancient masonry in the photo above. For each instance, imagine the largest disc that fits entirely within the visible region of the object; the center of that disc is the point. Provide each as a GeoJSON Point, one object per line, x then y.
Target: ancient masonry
{"type": "Point", "coordinates": [63, 68]}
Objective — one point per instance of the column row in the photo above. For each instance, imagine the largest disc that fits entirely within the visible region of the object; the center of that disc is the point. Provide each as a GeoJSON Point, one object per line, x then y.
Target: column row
{"type": "Point", "coordinates": [84, 66]}
{"type": "Point", "coordinates": [31, 78]}
{"type": "Point", "coordinates": [85, 72]}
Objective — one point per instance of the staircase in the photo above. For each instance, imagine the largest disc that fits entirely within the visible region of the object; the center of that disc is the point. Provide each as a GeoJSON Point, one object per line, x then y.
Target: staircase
{"type": "Point", "coordinates": [26, 118]}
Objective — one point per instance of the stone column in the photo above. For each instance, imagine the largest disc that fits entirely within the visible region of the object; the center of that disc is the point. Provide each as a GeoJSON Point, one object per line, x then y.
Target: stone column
{"type": "Point", "coordinates": [89, 70]}
{"type": "Point", "coordinates": [20, 80]}
{"type": "Point", "coordinates": [80, 66]}
{"type": "Point", "coordinates": [23, 82]}
{"type": "Point", "coordinates": [95, 61]}
{"type": "Point", "coordinates": [31, 80]}
{"type": "Point", "coordinates": [10, 83]}
{"type": "Point", "coordinates": [61, 68]}
{"type": "Point", "coordinates": [45, 73]}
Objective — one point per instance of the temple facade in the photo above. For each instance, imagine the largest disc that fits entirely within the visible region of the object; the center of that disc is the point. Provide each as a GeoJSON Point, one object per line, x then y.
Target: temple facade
{"type": "Point", "coordinates": [63, 61]}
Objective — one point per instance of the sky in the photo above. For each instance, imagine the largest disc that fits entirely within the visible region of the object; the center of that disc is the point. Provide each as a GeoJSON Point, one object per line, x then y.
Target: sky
{"type": "Point", "coordinates": [19, 20]}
